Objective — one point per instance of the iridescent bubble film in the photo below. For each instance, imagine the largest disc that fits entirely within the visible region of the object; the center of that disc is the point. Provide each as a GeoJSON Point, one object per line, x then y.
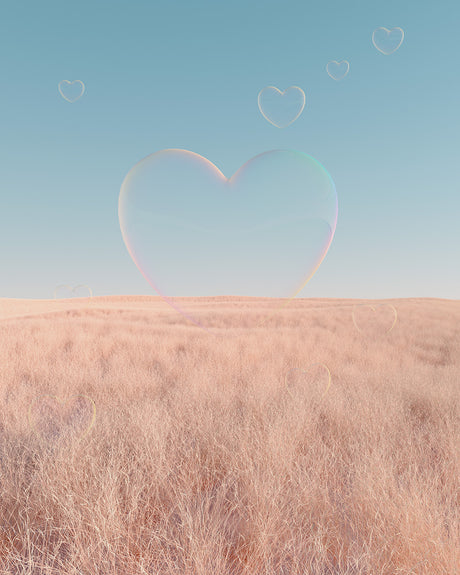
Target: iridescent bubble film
{"type": "Point", "coordinates": [194, 233]}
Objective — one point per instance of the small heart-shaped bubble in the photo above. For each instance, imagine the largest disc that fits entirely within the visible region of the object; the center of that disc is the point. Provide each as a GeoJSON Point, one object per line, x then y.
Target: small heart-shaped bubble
{"type": "Point", "coordinates": [387, 41]}
{"type": "Point", "coordinates": [338, 70]}
{"type": "Point", "coordinates": [315, 377]}
{"type": "Point", "coordinates": [65, 291]}
{"type": "Point", "coordinates": [374, 320]}
{"type": "Point", "coordinates": [71, 91]}
{"type": "Point", "coordinates": [281, 108]}
{"type": "Point", "coordinates": [53, 419]}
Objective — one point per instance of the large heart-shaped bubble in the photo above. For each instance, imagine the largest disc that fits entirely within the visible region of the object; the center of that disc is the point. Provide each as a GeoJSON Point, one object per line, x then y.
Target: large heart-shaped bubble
{"type": "Point", "coordinates": [193, 233]}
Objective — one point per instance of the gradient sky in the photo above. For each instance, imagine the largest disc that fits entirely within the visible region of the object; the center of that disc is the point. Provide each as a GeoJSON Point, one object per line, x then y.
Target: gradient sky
{"type": "Point", "coordinates": [187, 75]}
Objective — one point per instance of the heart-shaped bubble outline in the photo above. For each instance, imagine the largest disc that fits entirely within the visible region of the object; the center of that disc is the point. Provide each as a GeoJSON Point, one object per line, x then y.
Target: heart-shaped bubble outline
{"type": "Point", "coordinates": [338, 64]}
{"type": "Point", "coordinates": [374, 310]}
{"type": "Point", "coordinates": [62, 403]}
{"type": "Point", "coordinates": [72, 290]}
{"type": "Point", "coordinates": [307, 372]}
{"type": "Point", "coordinates": [388, 32]}
{"type": "Point", "coordinates": [282, 94]}
{"type": "Point", "coordinates": [70, 83]}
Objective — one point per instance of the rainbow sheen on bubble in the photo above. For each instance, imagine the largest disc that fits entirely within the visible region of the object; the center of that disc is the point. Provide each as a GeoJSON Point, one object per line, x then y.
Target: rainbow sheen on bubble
{"type": "Point", "coordinates": [192, 232]}
{"type": "Point", "coordinates": [281, 108]}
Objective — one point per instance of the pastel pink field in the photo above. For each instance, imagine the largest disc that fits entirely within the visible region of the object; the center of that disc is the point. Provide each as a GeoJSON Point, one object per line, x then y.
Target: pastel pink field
{"type": "Point", "coordinates": [195, 453]}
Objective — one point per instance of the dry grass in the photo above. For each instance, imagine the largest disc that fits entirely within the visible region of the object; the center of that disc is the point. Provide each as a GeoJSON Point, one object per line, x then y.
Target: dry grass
{"type": "Point", "coordinates": [199, 462]}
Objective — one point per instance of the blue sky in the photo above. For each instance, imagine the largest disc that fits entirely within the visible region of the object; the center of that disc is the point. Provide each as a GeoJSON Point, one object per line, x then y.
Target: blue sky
{"type": "Point", "coordinates": [187, 75]}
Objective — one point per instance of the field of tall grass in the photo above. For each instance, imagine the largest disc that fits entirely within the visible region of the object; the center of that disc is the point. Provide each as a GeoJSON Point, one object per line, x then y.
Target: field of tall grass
{"type": "Point", "coordinates": [133, 442]}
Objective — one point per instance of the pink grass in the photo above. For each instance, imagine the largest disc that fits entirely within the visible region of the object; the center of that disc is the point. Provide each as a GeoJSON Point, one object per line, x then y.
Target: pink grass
{"type": "Point", "coordinates": [200, 462]}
